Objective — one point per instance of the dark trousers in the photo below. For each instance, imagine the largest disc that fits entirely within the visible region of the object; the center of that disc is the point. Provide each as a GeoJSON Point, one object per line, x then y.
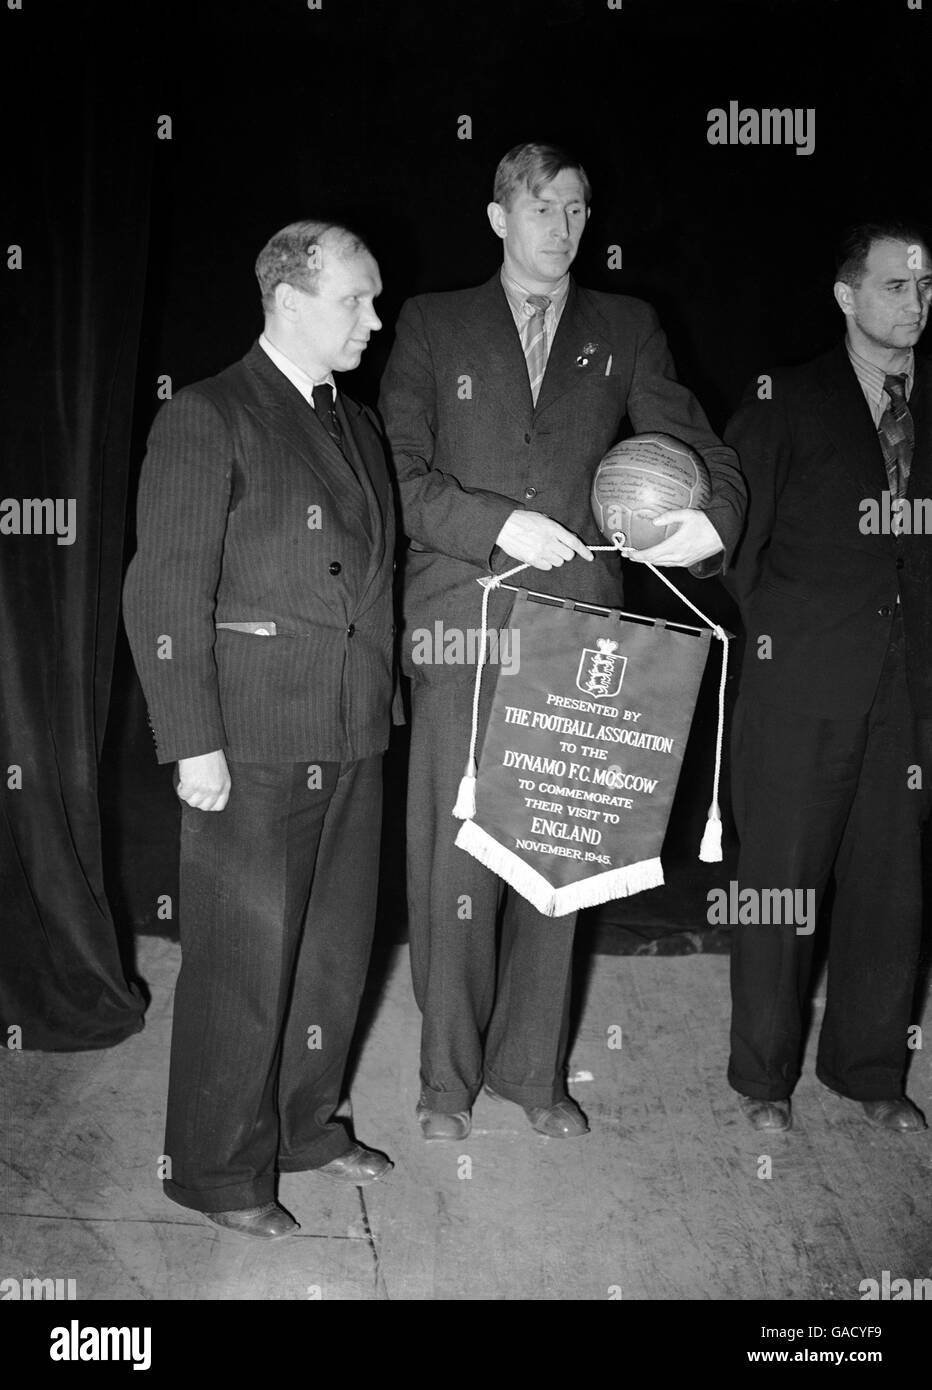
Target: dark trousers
{"type": "Point", "coordinates": [277, 907]}
{"type": "Point", "coordinates": [813, 796]}
{"type": "Point", "coordinates": [493, 1010]}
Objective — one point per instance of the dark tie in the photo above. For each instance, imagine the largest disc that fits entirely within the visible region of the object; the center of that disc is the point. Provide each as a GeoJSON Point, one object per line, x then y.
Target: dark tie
{"type": "Point", "coordinates": [323, 404]}
{"type": "Point", "coordinates": [897, 436]}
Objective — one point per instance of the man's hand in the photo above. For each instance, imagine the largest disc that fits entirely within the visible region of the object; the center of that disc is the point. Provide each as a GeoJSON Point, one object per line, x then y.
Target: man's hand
{"type": "Point", "coordinates": [539, 541]}
{"type": "Point", "coordinates": [694, 539]}
{"type": "Point", "coordinates": [204, 781]}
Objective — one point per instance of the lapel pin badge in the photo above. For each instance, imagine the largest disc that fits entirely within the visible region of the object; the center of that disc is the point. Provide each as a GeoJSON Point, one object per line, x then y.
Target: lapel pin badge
{"type": "Point", "coordinates": [587, 349]}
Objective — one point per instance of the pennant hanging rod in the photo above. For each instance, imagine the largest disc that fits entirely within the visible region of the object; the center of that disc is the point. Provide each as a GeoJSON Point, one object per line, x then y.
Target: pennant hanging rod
{"type": "Point", "coordinates": [556, 602]}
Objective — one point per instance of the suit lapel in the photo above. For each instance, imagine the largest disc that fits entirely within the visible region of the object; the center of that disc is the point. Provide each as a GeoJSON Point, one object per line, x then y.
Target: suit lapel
{"type": "Point", "coordinates": [489, 323]}
{"type": "Point", "coordinates": [364, 449]}
{"type": "Point", "coordinates": [846, 417]}
{"type": "Point", "coordinates": [580, 348]}
{"type": "Point", "coordinates": [283, 410]}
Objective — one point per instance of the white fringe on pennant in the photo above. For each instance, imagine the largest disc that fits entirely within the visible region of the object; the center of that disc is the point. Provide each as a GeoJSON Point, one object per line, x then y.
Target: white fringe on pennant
{"type": "Point", "coordinates": [557, 902]}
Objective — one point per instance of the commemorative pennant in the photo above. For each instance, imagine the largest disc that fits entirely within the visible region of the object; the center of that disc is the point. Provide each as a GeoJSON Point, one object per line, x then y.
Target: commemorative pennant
{"type": "Point", "coordinates": [582, 754]}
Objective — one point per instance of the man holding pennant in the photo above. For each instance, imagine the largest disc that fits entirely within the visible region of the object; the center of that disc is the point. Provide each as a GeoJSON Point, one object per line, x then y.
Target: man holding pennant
{"type": "Point", "coordinates": [499, 403]}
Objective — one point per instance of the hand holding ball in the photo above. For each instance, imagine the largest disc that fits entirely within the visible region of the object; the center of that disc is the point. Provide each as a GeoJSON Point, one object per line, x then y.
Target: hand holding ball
{"type": "Point", "coordinates": [642, 477]}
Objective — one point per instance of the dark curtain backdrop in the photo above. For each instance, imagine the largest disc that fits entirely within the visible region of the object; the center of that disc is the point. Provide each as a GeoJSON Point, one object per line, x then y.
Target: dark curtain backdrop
{"type": "Point", "coordinates": [138, 259]}
{"type": "Point", "coordinates": [80, 177]}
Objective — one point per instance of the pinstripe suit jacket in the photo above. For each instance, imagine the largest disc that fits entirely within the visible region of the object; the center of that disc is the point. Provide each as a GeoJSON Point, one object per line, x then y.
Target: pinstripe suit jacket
{"type": "Point", "coordinates": [248, 512]}
{"type": "Point", "coordinates": [470, 446]}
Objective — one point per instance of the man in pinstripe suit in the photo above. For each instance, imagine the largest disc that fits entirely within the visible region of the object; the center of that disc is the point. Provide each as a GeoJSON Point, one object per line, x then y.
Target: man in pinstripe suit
{"type": "Point", "coordinates": [259, 610]}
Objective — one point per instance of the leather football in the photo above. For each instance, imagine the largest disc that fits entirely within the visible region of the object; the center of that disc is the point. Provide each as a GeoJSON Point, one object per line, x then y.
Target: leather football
{"type": "Point", "coordinates": [642, 477]}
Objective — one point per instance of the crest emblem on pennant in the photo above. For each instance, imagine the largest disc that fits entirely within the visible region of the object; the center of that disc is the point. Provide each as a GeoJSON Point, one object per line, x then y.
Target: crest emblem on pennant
{"type": "Point", "coordinates": [601, 671]}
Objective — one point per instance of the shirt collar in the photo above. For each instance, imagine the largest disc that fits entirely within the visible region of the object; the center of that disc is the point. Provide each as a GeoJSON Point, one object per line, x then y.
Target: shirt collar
{"type": "Point", "coordinates": [872, 377]}
{"type": "Point", "coordinates": [295, 374]}
{"type": "Point", "coordinates": [516, 294]}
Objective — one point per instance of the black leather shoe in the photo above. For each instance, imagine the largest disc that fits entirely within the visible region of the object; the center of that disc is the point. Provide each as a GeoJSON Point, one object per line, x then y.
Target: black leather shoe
{"type": "Point", "coordinates": [771, 1115]}
{"type": "Point", "coordinates": [435, 1124]}
{"type": "Point", "coordinates": [898, 1114]}
{"type": "Point", "coordinates": [358, 1165]}
{"type": "Point", "coordinates": [270, 1222]}
{"type": "Point", "coordinates": [564, 1120]}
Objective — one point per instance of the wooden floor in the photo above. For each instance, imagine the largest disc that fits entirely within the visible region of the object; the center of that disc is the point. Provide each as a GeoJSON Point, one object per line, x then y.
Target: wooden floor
{"type": "Point", "coordinates": [665, 1199]}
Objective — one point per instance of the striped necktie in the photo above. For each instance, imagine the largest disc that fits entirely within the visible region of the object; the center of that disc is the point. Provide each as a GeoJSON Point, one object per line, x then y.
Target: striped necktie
{"type": "Point", "coordinates": [534, 339]}
{"type": "Point", "coordinates": [897, 437]}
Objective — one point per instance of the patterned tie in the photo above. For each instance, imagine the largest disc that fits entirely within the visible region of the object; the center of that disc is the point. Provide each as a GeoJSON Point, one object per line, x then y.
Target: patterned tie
{"type": "Point", "coordinates": [534, 339]}
{"type": "Point", "coordinates": [896, 436]}
{"type": "Point", "coordinates": [323, 404]}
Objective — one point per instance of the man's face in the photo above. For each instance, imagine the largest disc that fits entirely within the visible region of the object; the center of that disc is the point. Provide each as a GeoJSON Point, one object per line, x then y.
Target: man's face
{"type": "Point", "coordinates": [333, 326]}
{"type": "Point", "coordinates": [889, 308]}
{"type": "Point", "coordinates": [541, 231]}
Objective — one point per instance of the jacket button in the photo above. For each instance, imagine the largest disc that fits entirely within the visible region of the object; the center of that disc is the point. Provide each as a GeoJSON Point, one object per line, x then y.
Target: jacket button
{"type": "Point", "coordinates": [885, 611]}
{"type": "Point", "coordinates": [351, 629]}
{"type": "Point", "coordinates": [335, 567]}
{"type": "Point", "coordinates": [900, 562]}
{"type": "Point", "coordinates": [527, 439]}
{"type": "Point", "coordinates": [530, 492]}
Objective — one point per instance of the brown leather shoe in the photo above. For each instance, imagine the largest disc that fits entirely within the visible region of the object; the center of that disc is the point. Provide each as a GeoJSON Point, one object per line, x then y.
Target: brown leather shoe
{"type": "Point", "coordinates": [564, 1120]}
{"type": "Point", "coordinates": [358, 1165]}
{"type": "Point", "coordinates": [898, 1114]}
{"type": "Point", "coordinates": [270, 1222]}
{"type": "Point", "coordinates": [773, 1115]}
{"type": "Point", "coordinates": [437, 1125]}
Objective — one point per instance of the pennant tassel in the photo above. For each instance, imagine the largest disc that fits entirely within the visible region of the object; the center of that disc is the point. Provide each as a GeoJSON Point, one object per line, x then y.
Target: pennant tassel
{"type": "Point", "coordinates": [465, 807]}
{"type": "Point", "coordinates": [710, 851]}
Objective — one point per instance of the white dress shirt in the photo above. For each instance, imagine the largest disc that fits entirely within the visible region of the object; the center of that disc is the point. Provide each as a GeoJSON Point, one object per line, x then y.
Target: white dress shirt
{"type": "Point", "coordinates": [295, 374]}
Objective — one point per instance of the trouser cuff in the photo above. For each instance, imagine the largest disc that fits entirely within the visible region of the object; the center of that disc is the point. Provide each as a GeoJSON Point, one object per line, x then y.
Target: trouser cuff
{"type": "Point", "coordinates": [527, 1096]}
{"type": "Point", "coordinates": [760, 1090]}
{"type": "Point", "coordinates": [239, 1197]}
{"type": "Point", "coordinates": [889, 1087]}
{"type": "Point", "coordinates": [448, 1102]}
{"type": "Point", "coordinates": [330, 1146]}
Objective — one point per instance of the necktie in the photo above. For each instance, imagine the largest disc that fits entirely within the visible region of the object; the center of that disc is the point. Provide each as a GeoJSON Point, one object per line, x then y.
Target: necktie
{"type": "Point", "coordinates": [323, 404]}
{"type": "Point", "coordinates": [896, 437]}
{"type": "Point", "coordinates": [534, 339]}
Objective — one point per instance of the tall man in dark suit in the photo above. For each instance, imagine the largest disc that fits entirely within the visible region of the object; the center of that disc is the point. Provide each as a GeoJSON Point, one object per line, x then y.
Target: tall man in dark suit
{"type": "Point", "coordinates": [259, 609]}
{"type": "Point", "coordinates": [832, 726]}
{"type": "Point", "coordinates": [499, 403]}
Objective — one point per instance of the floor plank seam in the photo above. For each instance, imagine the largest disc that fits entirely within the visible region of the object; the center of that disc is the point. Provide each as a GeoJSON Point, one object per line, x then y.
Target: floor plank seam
{"type": "Point", "coordinates": [378, 1283]}
{"type": "Point", "coordinates": [159, 1221]}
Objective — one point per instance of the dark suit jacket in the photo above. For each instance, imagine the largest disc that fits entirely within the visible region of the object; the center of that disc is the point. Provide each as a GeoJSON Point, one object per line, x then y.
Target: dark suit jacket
{"type": "Point", "coordinates": [805, 574]}
{"type": "Point", "coordinates": [469, 445]}
{"type": "Point", "coordinates": [233, 466]}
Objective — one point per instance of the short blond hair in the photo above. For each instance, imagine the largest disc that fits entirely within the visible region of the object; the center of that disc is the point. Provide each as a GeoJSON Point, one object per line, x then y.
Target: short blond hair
{"type": "Point", "coordinates": [531, 166]}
